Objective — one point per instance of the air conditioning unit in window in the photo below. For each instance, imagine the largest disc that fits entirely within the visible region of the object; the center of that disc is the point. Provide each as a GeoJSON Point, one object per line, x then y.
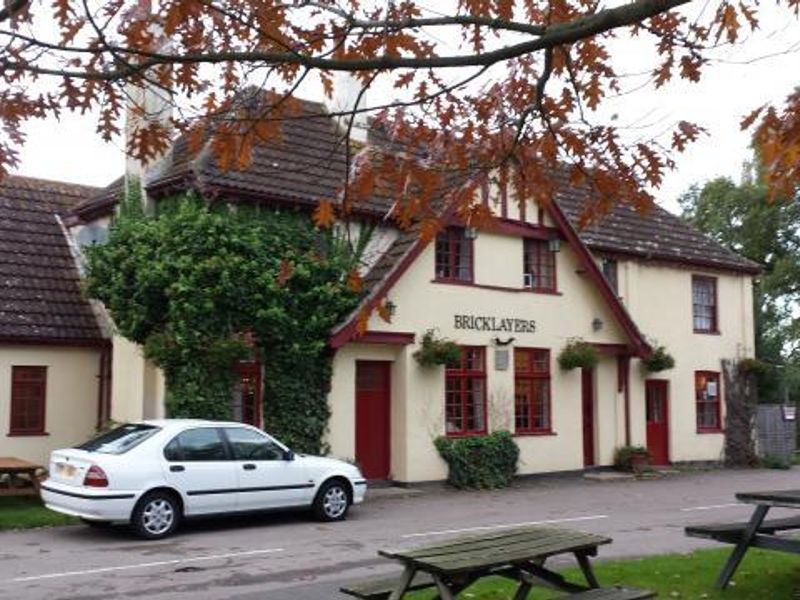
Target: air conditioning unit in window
{"type": "Point", "coordinates": [527, 280]}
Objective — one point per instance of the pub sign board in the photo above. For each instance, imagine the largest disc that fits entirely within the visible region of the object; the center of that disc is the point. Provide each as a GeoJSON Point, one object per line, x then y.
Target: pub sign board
{"type": "Point", "coordinates": [494, 324]}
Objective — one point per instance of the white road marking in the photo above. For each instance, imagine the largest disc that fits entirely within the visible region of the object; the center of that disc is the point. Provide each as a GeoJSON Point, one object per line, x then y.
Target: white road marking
{"type": "Point", "coordinates": [713, 506]}
{"type": "Point", "coordinates": [505, 526]}
{"type": "Point", "coordinates": [159, 563]}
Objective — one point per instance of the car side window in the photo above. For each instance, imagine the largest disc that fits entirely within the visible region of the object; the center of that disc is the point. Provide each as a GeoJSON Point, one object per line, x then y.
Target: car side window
{"type": "Point", "coordinates": [172, 451]}
{"type": "Point", "coordinates": [196, 445]}
{"type": "Point", "coordinates": [251, 445]}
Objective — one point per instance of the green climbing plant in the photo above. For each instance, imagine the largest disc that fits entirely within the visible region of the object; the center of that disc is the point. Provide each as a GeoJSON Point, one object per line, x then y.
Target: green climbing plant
{"type": "Point", "coordinates": [192, 281]}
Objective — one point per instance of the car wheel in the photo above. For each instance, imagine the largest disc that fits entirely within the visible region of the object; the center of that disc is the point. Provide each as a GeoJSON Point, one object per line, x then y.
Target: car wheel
{"type": "Point", "coordinates": [156, 515]}
{"type": "Point", "coordinates": [332, 501]}
{"type": "Point", "coordinates": [96, 524]}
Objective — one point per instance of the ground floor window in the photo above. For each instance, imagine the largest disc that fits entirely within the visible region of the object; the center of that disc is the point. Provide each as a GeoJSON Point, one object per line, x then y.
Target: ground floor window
{"type": "Point", "coordinates": [28, 399]}
{"type": "Point", "coordinates": [465, 393]}
{"type": "Point", "coordinates": [707, 400]}
{"type": "Point", "coordinates": [532, 390]}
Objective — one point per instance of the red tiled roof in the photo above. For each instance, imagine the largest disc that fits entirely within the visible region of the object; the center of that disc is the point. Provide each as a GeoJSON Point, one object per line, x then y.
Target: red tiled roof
{"type": "Point", "coordinates": [40, 292]}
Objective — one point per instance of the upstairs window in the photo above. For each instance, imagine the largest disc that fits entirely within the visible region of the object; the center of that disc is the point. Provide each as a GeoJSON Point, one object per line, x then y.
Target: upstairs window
{"type": "Point", "coordinates": [539, 266]}
{"type": "Point", "coordinates": [28, 399]}
{"type": "Point", "coordinates": [531, 390]}
{"type": "Point", "coordinates": [707, 401]}
{"type": "Point", "coordinates": [453, 255]}
{"type": "Point", "coordinates": [465, 393]}
{"type": "Point", "coordinates": [609, 267]}
{"type": "Point", "coordinates": [704, 304]}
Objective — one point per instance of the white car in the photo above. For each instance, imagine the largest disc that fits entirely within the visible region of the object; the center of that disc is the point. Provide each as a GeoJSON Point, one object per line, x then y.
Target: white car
{"type": "Point", "coordinates": [154, 473]}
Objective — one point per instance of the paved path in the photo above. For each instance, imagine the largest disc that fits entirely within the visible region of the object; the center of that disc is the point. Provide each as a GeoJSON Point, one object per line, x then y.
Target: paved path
{"type": "Point", "coordinates": [288, 557]}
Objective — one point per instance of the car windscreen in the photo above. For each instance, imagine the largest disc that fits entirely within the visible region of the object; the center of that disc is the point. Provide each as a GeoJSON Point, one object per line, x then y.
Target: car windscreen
{"type": "Point", "coordinates": [120, 440]}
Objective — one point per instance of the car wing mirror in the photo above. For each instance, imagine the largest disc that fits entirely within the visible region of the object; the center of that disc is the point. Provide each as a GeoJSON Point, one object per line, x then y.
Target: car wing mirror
{"type": "Point", "coordinates": [288, 455]}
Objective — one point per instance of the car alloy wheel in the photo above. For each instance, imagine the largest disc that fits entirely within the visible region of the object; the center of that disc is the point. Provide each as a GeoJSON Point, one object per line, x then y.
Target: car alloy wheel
{"type": "Point", "coordinates": [335, 502]}
{"type": "Point", "coordinates": [332, 501]}
{"type": "Point", "coordinates": [158, 516]}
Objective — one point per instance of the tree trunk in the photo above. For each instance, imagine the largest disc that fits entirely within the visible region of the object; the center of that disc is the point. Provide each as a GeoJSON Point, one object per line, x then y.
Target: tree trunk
{"type": "Point", "coordinates": [741, 397]}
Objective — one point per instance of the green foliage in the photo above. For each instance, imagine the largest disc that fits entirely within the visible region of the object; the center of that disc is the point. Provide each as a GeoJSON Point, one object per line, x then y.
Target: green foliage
{"type": "Point", "coordinates": [743, 219]}
{"type": "Point", "coordinates": [437, 351]}
{"type": "Point", "coordinates": [480, 462]}
{"type": "Point", "coordinates": [773, 461]}
{"type": "Point", "coordinates": [577, 354]}
{"type": "Point", "coordinates": [188, 282]}
{"type": "Point", "coordinates": [659, 360]}
{"type": "Point", "coordinates": [629, 458]}
{"type": "Point", "coordinates": [754, 365]}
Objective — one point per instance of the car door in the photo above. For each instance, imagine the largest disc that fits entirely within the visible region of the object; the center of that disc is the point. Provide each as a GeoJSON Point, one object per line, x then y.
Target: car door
{"type": "Point", "coordinates": [268, 474]}
{"type": "Point", "coordinates": [198, 464]}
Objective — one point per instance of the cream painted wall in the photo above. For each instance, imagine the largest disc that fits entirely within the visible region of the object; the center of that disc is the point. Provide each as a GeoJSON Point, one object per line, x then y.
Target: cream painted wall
{"type": "Point", "coordinates": [71, 409]}
{"type": "Point", "coordinates": [659, 298]}
{"type": "Point", "coordinates": [137, 387]}
{"type": "Point", "coordinates": [423, 304]}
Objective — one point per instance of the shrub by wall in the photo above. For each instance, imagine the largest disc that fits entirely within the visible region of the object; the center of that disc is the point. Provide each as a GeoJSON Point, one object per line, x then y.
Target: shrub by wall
{"type": "Point", "coordinates": [480, 462]}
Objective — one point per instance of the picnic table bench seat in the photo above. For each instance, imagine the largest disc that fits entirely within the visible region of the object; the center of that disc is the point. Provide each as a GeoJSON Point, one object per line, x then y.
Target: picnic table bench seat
{"type": "Point", "coordinates": [731, 532]}
{"type": "Point", "coordinates": [381, 588]}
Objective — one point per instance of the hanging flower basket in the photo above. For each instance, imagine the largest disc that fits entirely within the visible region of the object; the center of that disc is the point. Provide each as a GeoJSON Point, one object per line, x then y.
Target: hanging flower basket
{"type": "Point", "coordinates": [578, 354]}
{"type": "Point", "coordinates": [659, 360]}
{"type": "Point", "coordinates": [437, 351]}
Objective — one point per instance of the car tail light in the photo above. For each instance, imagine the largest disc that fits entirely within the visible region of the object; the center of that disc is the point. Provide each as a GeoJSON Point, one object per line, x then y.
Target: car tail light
{"type": "Point", "coordinates": [95, 477]}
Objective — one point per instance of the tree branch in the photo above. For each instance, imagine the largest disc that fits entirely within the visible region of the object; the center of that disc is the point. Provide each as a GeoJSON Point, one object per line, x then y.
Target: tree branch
{"type": "Point", "coordinates": [555, 35]}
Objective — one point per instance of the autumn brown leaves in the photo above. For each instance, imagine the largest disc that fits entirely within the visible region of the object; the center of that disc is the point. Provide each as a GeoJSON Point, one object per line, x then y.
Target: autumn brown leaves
{"type": "Point", "coordinates": [490, 94]}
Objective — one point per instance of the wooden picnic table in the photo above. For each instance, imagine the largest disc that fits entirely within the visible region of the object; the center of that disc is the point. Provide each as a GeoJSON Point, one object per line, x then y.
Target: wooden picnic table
{"type": "Point", "coordinates": [13, 468]}
{"type": "Point", "coordinates": [518, 554]}
{"type": "Point", "coordinates": [756, 532]}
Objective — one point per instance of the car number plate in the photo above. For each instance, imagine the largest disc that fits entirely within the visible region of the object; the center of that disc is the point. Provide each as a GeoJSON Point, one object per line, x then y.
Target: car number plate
{"type": "Point", "coordinates": [66, 470]}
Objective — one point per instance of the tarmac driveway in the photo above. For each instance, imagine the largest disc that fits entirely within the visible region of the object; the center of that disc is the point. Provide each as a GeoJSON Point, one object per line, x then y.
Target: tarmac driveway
{"type": "Point", "coordinates": [289, 557]}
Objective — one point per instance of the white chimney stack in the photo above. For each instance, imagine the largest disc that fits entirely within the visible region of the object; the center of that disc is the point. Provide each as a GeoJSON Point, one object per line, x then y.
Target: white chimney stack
{"type": "Point", "coordinates": [346, 92]}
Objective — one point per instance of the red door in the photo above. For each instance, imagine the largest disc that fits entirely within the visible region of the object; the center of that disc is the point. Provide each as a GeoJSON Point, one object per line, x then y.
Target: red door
{"type": "Point", "coordinates": [246, 402]}
{"type": "Point", "coordinates": [657, 404]}
{"type": "Point", "coordinates": [587, 392]}
{"type": "Point", "coordinates": [373, 385]}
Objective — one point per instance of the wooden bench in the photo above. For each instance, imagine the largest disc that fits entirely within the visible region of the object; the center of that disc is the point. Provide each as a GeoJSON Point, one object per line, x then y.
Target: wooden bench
{"type": "Point", "coordinates": [381, 589]}
{"type": "Point", "coordinates": [11, 484]}
{"type": "Point", "coordinates": [732, 532]}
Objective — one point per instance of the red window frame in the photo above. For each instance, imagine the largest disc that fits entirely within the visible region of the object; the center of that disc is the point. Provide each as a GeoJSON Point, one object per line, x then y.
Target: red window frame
{"type": "Point", "coordinates": [540, 262]}
{"type": "Point", "coordinates": [701, 380]}
{"type": "Point", "coordinates": [449, 257]}
{"type": "Point", "coordinates": [28, 400]}
{"type": "Point", "coordinates": [462, 413]}
{"type": "Point", "coordinates": [705, 305]}
{"type": "Point", "coordinates": [532, 370]}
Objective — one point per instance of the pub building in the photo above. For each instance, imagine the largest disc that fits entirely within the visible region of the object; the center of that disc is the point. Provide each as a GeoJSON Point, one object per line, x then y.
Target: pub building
{"type": "Point", "coordinates": [511, 296]}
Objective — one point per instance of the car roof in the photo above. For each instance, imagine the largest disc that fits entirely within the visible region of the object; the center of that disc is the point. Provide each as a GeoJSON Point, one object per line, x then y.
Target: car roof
{"type": "Point", "coordinates": [176, 424]}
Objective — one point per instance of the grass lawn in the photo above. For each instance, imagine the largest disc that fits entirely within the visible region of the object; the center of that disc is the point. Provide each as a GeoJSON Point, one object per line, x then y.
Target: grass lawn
{"type": "Point", "coordinates": [763, 575]}
{"type": "Point", "coordinates": [22, 512]}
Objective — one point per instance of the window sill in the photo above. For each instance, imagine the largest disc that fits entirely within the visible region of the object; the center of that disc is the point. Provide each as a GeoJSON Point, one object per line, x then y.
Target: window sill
{"type": "Point", "coordinates": [534, 433]}
{"type": "Point", "coordinates": [27, 434]}
{"type": "Point", "coordinates": [466, 434]}
{"type": "Point", "coordinates": [705, 431]}
{"type": "Point", "coordinates": [706, 332]}
{"type": "Point", "coordinates": [496, 288]}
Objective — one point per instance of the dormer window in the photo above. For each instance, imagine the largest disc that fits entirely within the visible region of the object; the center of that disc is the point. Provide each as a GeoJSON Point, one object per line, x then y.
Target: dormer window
{"type": "Point", "coordinates": [539, 266]}
{"type": "Point", "coordinates": [454, 255]}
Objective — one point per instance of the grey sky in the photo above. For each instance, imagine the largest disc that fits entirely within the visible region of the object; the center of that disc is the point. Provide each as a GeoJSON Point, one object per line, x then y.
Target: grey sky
{"type": "Point", "coordinates": [762, 68]}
